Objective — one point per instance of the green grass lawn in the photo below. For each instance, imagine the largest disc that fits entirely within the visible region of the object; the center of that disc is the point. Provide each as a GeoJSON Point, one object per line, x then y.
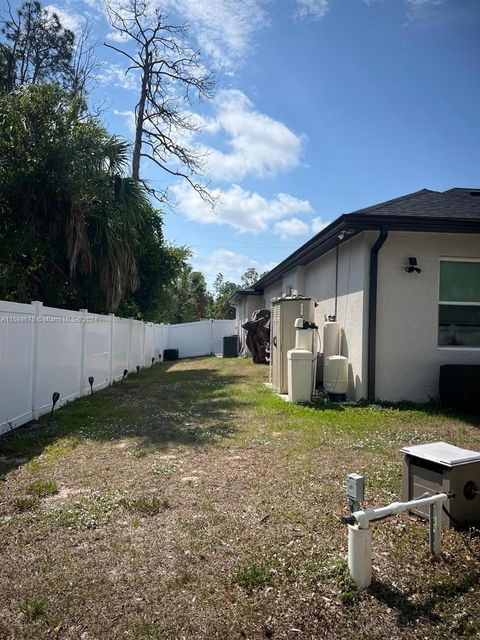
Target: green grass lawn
{"type": "Point", "coordinates": [190, 502]}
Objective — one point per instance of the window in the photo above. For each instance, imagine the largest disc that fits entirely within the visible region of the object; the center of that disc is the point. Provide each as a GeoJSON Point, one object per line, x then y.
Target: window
{"type": "Point", "coordinates": [459, 303]}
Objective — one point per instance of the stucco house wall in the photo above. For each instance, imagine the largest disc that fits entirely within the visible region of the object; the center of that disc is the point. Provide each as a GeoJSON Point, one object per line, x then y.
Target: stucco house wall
{"type": "Point", "coordinates": [408, 355]}
{"type": "Point", "coordinates": [352, 302]}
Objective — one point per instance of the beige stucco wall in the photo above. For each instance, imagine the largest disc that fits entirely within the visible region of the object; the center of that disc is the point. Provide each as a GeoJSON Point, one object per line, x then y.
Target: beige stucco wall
{"type": "Point", "coordinates": [408, 357]}
{"type": "Point", "coordinates": [352, 303]}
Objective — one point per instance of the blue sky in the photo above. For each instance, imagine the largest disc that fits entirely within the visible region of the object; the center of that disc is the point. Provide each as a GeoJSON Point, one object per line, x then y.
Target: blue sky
{"type": "Point", "coordinates": [322, 107]}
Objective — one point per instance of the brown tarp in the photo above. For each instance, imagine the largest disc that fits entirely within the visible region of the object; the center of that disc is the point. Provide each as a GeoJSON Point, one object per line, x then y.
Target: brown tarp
{"type": "Point", "coordinates": [258, 335]}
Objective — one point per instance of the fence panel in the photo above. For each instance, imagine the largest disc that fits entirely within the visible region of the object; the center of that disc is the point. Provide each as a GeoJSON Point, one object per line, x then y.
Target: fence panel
{"type": "Point", "coordinates": [60, 338]}
{"type": "Point", "coordinates": [136, 348]}
{"type": "Point", "coordinates": [97, 352]}
{"type": "Point", "coordinates": [149, 348]}
{"type": "Point", "coordinates": [121, 341]}
{"type": "Point", "coordinates": [16, 364]}
{"type": "Point", "coordinates": [45, 350]}
{"type": "Point", "coordinates": [221, 328]}
{"type": "Point", "coordinates": [190, 338]}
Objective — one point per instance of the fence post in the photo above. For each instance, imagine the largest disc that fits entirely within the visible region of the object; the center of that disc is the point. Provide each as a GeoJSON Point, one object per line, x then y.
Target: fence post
{"type": "Point", "coordinates": [83, 334]}
{"type": "Point", "coordinates": [35, 361]}
{"type": "Point", "coordinates": [112, 346]}
{"type": "Point", "coordinates": [211, 335]}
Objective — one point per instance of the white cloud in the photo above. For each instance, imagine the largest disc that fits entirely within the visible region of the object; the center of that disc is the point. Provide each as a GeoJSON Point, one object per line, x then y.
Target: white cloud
{"type": "Point", "coordinates": [129, 118]}
{"type": "Point", "coordinates": [114, 74]}
{"type": "Point", "coordinates": [291, 227]}
{"type": "Point", "coordinates": [315, 9]}
{"type": "Point", "coordinates": [69, 20]}
{"type": "Point", "coordinates": [230, 264]}
{"type": "Point", "coordinates": [257, 143]}
{"type": "Point", "coordinates": [246, 211]}
{"type": "Point", "coordinates": [116, 36]}
{"type": "Point", "coordinates": [318, 225]}
{"type": "Point", "coordinates": [421, 9]}
{"type": "Point", "coordinates": [224, 29]}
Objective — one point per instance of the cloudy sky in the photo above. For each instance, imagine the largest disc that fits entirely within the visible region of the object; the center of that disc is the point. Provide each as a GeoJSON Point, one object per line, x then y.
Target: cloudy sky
{"type": "Point", "coordinates": [321, 107]}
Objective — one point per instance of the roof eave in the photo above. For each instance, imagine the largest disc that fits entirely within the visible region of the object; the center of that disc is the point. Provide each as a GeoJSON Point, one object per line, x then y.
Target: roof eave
{"type": "Point", "coordinates": [328, 238]}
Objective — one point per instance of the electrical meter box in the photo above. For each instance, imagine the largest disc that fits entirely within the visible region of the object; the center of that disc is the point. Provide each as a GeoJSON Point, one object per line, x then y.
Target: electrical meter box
{"type": "Point", "coordinates": [440, 467]}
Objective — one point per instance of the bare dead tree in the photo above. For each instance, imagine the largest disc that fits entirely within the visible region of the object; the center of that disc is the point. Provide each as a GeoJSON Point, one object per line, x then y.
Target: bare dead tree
{"type": "Point", "coordinates": [171, 78]}
{"type": "Point", "coordinates": [84, 64]}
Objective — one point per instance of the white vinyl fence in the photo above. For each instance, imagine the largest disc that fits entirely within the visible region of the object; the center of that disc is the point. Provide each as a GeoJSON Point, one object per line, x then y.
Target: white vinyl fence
{"type": "Point", "coordinates": [45, 350]}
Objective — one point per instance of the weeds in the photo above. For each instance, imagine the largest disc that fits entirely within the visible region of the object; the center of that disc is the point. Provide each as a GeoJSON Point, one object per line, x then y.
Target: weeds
{"type": "Point", "coordinates": [90, 513]}
{"type": "Point", "coordinates": [25, 503]}
{"type": "Point", "coordinates": [252, 575]}
{"type": "Point", "coordinates": [34, 608]}
{"type": "Point", "coordinates": [42, 488]}
{"type": "Point", "coordinates": [146, 505]}
{"type": "Point", "coordinates": [165, 469]}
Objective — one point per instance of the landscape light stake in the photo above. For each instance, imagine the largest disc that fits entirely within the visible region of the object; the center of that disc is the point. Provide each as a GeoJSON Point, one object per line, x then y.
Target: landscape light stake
{"type": "Point", "coordinates": [91, 381]}
{"type": "Point", "coordinates": [55, 399]}
{"type": "Point", "coordinates": [138, 368]}
{"type": "Point", "coordinates": [125, 373]}
{"type": "Point", "coordinates": [153, 361]}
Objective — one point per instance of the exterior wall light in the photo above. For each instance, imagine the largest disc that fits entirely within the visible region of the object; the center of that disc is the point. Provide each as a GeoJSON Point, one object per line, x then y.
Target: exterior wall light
{"type": "Point", "coordinates": [412, 266]}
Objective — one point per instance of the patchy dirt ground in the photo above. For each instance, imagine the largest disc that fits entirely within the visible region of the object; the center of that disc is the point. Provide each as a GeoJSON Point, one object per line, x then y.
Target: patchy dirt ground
{"type": "Point", "coordinates": [190, 503]}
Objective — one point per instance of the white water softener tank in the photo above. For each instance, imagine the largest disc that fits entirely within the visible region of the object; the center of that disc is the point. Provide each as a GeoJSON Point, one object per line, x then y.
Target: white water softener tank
{"type": "Point", "coordinates": [300, 364]}
{"type": "Point", "coordinates": [335, 377]}
{"type": "Point", "coordinates": [331, 339]}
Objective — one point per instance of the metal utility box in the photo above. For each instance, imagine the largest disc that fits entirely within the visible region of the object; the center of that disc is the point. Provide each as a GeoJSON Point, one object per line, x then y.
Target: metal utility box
{"type": "Point", "coordinates": [282, 338]}
{"type": "Point", "coordinates": [230, 347]}
{"type": "Point", "coordinates": [170, 354]}
{"type": "Point", "coordinates": [441, 467]}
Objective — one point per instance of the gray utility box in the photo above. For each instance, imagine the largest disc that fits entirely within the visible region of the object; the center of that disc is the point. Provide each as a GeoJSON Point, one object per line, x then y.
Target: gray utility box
{"type": "Point", "coordinates": [282, 335]}
{"type": "Point", "coordinates": [440, 467]}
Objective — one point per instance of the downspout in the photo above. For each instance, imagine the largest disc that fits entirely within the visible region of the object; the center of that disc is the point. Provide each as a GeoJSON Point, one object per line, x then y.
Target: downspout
{"type": "Point", "coordinates": [372, 312]}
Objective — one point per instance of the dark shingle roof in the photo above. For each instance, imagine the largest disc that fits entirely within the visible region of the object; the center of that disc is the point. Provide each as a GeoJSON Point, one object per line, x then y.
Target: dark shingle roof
{"type": "Point", "coordinates": [452, 204]}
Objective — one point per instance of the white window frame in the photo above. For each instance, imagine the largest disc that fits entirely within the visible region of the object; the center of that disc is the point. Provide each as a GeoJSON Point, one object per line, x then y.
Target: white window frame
{"type": "Point", "coordinates": [445, 347]}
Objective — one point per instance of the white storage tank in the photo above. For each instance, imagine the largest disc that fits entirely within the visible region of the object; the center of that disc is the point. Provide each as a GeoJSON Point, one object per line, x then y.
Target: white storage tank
{"type": "Point", "coordinates": [335, 381]}
{"type": "Point", "coordinates": [331, 339]}
{"type": "Point", "coordinates": [301, 364]}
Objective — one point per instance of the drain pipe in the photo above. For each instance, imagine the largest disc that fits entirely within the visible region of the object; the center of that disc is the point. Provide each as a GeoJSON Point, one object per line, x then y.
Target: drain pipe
{"type": "Point", "coordinates": [360, 532]}
{"type": "Point", "coordinates": [372, 312]}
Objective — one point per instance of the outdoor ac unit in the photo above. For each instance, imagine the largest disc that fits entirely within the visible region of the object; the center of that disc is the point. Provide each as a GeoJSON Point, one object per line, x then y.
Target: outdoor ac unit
{"type": "Point", "coordinates": [282, 338]}
{"type": "Point", "coordinates": [441, 467]}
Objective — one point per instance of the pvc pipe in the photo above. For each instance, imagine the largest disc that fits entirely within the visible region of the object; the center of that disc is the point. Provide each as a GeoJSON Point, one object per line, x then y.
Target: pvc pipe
{"type": "Point", "coordinates": [364, 518]}
{"type": "Point", "coordinates": [360, 534]}
{"type": "Point", "coordinates": [360, 555]}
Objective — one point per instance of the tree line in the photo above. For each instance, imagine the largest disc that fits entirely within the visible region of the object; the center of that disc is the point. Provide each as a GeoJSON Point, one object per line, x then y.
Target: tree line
{"type": "Point", "coordinates": [77, 225]}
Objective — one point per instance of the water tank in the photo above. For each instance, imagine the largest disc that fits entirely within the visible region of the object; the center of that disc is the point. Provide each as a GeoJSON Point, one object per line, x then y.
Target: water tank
{"type": "Point", "coordinates": [331, 339]}
{"type": "Point", "coordinates": [300, 375]}
{"type": "Point", "coordinates": [335, 377]}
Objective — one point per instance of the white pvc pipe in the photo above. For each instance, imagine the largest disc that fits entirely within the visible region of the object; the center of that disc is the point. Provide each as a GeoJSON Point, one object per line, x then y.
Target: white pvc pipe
{"type": "Point", "coordinates": [364, 518]}
{"type": "Point", "coordinates": [360, 534]}
{"type": "Point", "coordinates": [360, 555]}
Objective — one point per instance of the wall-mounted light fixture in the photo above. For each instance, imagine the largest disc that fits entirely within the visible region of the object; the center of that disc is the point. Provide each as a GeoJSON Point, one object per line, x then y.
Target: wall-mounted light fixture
{"type": "Point", "coordinates": [412, 266]}
{"type": "Point", "coordinates": [349, 231]}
